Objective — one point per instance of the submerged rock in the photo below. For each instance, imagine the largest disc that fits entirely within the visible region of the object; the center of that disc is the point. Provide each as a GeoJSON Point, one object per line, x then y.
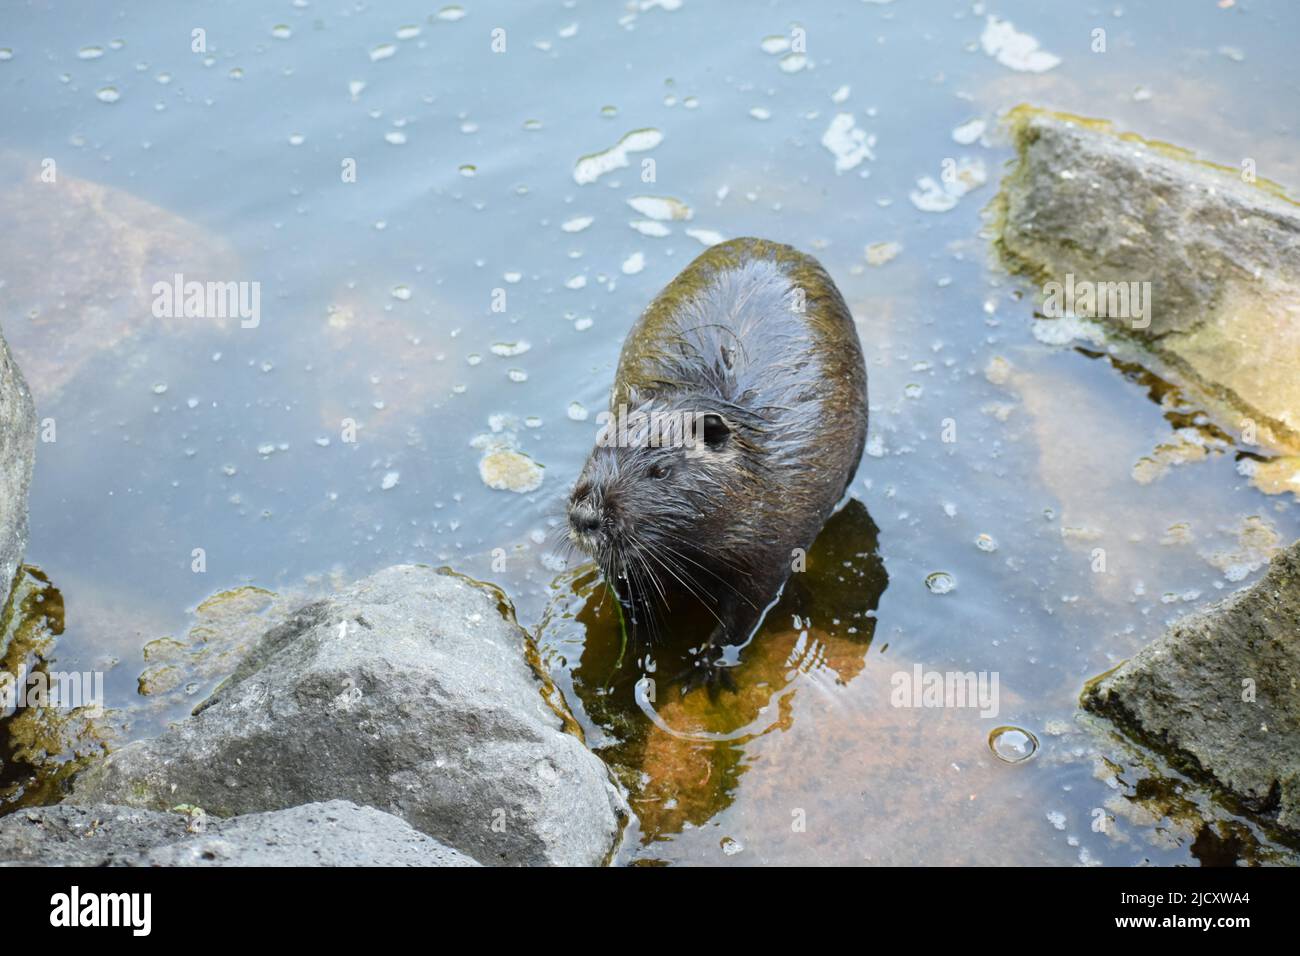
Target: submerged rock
{"type": "Point", "coordinates": [1219, 693]}
{"type": "Point", "coordinates": [1103, 213]}
{"type": "Point", "coordinates": [17, 454]}
{"type": "Point", "coordinates": [337, 833]}
{"type": "Point", "coordinates": [412, 691]}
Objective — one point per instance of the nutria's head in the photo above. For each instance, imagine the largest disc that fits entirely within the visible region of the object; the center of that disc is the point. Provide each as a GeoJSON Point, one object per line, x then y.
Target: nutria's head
{"type": "Point", "coordinates": [661, 486]}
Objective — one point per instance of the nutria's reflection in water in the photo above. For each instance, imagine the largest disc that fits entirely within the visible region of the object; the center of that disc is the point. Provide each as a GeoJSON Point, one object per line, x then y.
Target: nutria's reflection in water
{"type": "Point", "coordinates": [679, 754]}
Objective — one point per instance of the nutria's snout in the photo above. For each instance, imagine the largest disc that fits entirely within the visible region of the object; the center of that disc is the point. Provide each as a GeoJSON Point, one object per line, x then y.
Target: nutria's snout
{"type": "Point", "coordinates": [587, 521]}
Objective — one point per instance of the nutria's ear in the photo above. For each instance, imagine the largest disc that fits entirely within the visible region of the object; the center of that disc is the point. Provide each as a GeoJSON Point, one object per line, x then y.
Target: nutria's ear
{"type": "Point", "coordinates": [715, 430]}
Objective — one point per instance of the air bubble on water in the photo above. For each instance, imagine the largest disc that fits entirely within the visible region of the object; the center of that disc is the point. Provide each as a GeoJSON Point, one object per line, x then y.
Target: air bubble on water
{"type": "Point", "coordinates": [408, 32]}
{"type": "Point", "coordinates": [297, 139]}
{"type": "Point", "coordinates": [266, 448]}
{"type": "Point", "coordinates": [451, 13]}
{"type": "Point", "coordinates": [1056, 818]}
{"type": "Point", "coordinates": [281, 31]}
{"type": "Point", "coordinates": [395, 137]}
{"type": "Point", "coordinates": [986, 542]}
{"type": "Point", "coordinates": [467, 170]}
{"type": "Point", "coordinates": [950, 509]}
{"type": "Point", "coordinates": [731, 847]}
{"type": "Point", "coordinates": [582, 324]}
{"type": "Point", "coordinates": [775, 44]}
{"type": "Point", "coordinates": [940, 582]}
{"type": "Point", "coordinates": [1012, 744]}
{"type": "Point", "coordinates": [90, 53]}
{"type": "Point", "coordinates": [760, 113]}
{"type": "Point", "coordinates": [6, 53]}
{"type": "Point", "coordinates": [323, 441]}
{"type": "Point", "coordinates": [510, 349]}
{"type": "Point", "coordinates": [236, 73]}
{"type": "Point", "coordinates": [383, 52]}
{"type": "Point", "coordinates": [577, 412]}
{"type": "Point", "coordinates": [160, 389]}
{"type": "Point", "coordinates": [163, 78]}
{"type": "Point", "coordinates": [390, 480]}
{"type": "Point", "coordinates": [108, 94]}
{"type": "Point", "coordinates": [401, 292]}
{"type": "Point", "coordinates": [912, 390]}
{"type": "Point", "coordinates": [575, 282]}
{"type": "Point", "coordinates": [192, 402]}
{"type": "Point", "coordinates": [517, 375]}
{"type": "Point", "coordinates": [577, 223]}
{"type": "Point", "coordinates": [473, 358]}
{"type": "Point", "coordinates": [633, 264]}
{"type": "Point", "coordinates": [355, 87]}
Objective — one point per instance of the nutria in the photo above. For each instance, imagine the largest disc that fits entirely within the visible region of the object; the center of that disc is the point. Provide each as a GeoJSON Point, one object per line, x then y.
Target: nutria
{"type": "Point", "coordinates": [754, 350]}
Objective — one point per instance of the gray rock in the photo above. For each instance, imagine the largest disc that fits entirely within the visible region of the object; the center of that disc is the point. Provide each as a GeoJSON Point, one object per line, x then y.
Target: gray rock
{"type": "Point", "coordinates": [17, 453]}
{"type": "Point", "coordinates": [1222, 256]}
{"type": "Point", "coordinates": [318, 834]}
{"type": "Point", "coordinates": [1186, 694]}
{"type": "Point", "coordinates": [411, 691]}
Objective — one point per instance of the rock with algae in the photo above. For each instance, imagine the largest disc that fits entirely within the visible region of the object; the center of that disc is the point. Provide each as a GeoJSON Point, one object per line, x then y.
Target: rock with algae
{"type": "Point", "coordinates": [1219, 693]}
{"type": "Point", "coordinates": [1221, 254]}
{"type": "Point", "coordinates": [17, 454]}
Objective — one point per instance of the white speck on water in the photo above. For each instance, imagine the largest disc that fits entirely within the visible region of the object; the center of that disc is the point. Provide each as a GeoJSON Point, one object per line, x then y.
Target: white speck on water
{"type": "Point", "coordinates": [841, 95]}
{"type": "Point", "coordinates": [661, 208]}
{"type": "Point", "coordinates": [451, 13]}
{"type": "Point", "coordinates": [582, 324]}
{"type": "Point", "coordinates": [1056, 818]}
{"type": "Point", "coordinates": [774, 44]}
{"type": "Point", "coordinates": [633, 264]}
{"type": "Point", "coordinates": [1014, 49]}
{"type": "Point", "coordinates": [517, 375]}
{"type": "Point", "coordinates": [760, 113]}
{"type": "Point", "coordinates": [408, 32]}
{"type": "Point", "coordinates": [390, 480]}
{"type": "Point", "coordinates": [847, 142]}
{"type": "Point", "coordinates": [648, 227]}
{"type": "Point", "coordinates": [297, 139]}
{"type": "Point", "coordinates": [266, 448]}
{"type": "Point", "coordinates": [793, 62]}
{"type": "Point", "coordinates": [401, 292]}
{"type": "Point", "coordinates": [355, 87]}
{"type": "Point", "coordinates": [576, 282]}
{"type": "Point", "coordinates": [281, 32]}
{"type": "Point", "coordinates": [508, 349]}
{"type": "Point", "coordinates": [968, 132]}
{"type": "Point", "coordinates": [90, 53]}
{"type": "Point", "coordinates": [577, 412]}
{"type": "Point", "coordinates": [931, 196]}
{"type": "Point", "coordinates": [706, 237]}
{"type": "Point", "coordinates": [383, 51]}
{"type": "Point", "coordinates": [108, 94]}
{"type": "Point", "coordinates": [160, 389]}
{"type": "Point", "coordinates": [577, 223]}
{"type": "Point", "coordinates": [395, 137]}
{"type": "Point", "coordinates": [940, 582]}
{"type": "Point", "coordinates": [323, 441]}
{"type": "Point", "coordinates": [590, 168]}
{"type": "Point", "coordinates": [986, 542]}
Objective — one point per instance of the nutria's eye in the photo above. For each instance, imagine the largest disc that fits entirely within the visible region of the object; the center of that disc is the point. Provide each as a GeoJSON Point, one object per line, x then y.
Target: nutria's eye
{"type": "Point", "coordinates": [659, 470]}
{"type": "Point", "coordinates": [715, 431]}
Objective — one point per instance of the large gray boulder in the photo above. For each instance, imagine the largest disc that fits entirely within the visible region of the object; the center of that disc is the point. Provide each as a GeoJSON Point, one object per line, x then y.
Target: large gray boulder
{"type": "Point", "coordinates": [1219, 692]}
{"type": "Point", "coordinates": [337, 833]}
{"type": "Point", "coordinates": [1219, 246]}
{"type": "Point", "coordinates": [17, 453]}
{"type": "Point", "coordinates": [411, 691]}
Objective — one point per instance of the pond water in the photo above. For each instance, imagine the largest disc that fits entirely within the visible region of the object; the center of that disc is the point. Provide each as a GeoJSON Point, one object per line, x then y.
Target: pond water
{"type": "Point", "coordinates": [450, 240]}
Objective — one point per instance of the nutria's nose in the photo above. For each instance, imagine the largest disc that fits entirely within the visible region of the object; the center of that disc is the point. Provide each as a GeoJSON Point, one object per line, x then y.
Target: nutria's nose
{"type": "Point", "coordinates": [584, 519]}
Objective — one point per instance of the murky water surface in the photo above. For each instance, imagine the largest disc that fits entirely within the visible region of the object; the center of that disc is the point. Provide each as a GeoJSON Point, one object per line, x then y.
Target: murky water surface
{"type": "Point", "coordinates": [451, 240]}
